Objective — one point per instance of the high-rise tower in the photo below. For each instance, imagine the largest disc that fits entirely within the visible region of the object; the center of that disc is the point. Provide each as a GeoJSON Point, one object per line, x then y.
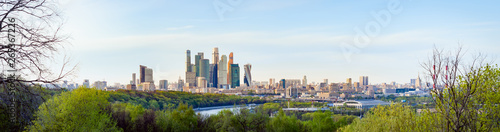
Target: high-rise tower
{"type": "Point", "coordinates": [248, 76]}
{"type": "Point", "coordinates": [229, 77]}
{"type": "Point", "coordinates": [188, 61]}
{"type": "Point", "coordinates": [215, 56]}
{"type": "Point", "coordinates": [204, 68]}
{"type": "Point", "coordinates": [363, 80]}
{"type": "Point", "coordinates": [142, 73]}
{"type": "Point", "coordinates": [235, 75]}
{"type": "Point", "coordinates": [197, 60]}
{"type": "Point", "coordinates": [304, 81]}
{"type": "Point", "coordinates": [222, 71]}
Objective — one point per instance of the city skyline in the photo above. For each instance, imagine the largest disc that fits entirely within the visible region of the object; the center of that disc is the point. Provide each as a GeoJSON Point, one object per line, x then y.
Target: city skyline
{"type": "Point", "coordinates": [274, 42]}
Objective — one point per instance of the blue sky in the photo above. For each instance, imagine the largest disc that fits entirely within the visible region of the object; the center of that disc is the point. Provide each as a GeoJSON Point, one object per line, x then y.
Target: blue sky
{"type": "Point", "coordinates": [280, 38]}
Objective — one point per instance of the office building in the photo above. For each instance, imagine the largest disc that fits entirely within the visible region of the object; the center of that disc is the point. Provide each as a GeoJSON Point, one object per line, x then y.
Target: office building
{"type": "Point", "coordinates": [188, 61]}
{"type": "Point", "coordinates": [133, 78]}
{"type": "Point", "coordinates": [148, 86]}
{"type": "Point", "coordinates": [272, 82]}
{"type": "Point", "coordinates": [222, 72]}
{"type": "Point", "coordinates": [191, 78]}
{"type": "Point", "coordinates": [363, 80]}
{"type": "Point", "coordinates": [214, 78]}
{"type": "Point", "coordinates": [215, 55]}
{"type": "Point", "coordinates": [201, 82]}
{"type": "Point", "coordinates": [142, 74]}
{"type": "Point", "coordinates": [180, 84]}
{"type": "Point", "coordinates": [229, 71]}
{"type": "Point", "coordinates": [349, 83]}
{"type": "Point", "coordinates": [86, 83]}
{"type": "Point", "coordinates": [163, 84]}
{"type": "Point", "coordinates": [235, 75]}
{"type": "Point", "coordinates": [204, 68]}
{"type": "Point", "coordinates": [197, 61]}
{"type": "Point", "coordinates": [282, 83]}
{"type": "Point", "coordinates": [247, 78]}
{"type": "Point", "coordinates": [304, 82]}
{"type": "Point", "coordinates": [418, 82]}
{"type": "Point", "coordinates": [146, 74]}
{"type": "Point", "coordinates": [325, 81]}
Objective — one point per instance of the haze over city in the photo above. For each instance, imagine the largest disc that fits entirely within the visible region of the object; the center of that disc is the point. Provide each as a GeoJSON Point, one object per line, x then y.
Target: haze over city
{"type": "Point", "coordinates": [281, 39]}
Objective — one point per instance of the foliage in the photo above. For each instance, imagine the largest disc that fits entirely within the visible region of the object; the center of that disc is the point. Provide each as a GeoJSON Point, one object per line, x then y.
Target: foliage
{"type": "Point", "coordinates": [27, 99]}
{"type": "Point", "coordinates": [164, 100]}
{"type": "Point", "coordinates": [82, 109]}
{"type": "Point", "coordinates": [283, 123]}
{"type": "Point", "coordinates": [392, 118]}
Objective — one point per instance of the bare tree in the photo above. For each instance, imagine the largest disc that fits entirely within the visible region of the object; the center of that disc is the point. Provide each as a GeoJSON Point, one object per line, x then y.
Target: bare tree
{"type": "Point", "coordinates": [30, 38]}
{"type": "Point", "coordinates": [455, 89]}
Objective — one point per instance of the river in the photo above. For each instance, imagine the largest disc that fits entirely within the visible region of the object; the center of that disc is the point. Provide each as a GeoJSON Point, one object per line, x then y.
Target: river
{"type": "Point", "coordinates": [216, 109]}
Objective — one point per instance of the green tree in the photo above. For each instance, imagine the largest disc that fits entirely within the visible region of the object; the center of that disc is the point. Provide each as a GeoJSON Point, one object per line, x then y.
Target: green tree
{"type": "Point", "coordinates": [83, 109]}
{"type": "Point", "coordinates": [283, 123]}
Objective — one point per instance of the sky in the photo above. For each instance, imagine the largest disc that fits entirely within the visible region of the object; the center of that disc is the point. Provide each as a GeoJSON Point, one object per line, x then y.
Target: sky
{"type": "Point", "coordinates": [321, 39]}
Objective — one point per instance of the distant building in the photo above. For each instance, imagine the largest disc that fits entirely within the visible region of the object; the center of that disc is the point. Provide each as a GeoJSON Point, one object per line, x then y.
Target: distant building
{"type": "Point", "coordinates": [197, 63]}
{"type": "Point", "coordinates": [86, 83]}
{"type": "Point", "coordinates": [188, 61]}
{"type": "Point", "coordinates": [180, 83]}
{"type": "Point", "coordinates": [412, 82]}
{"type": "Point", "coordinates": [247, 79]}
{"type": "Point", "coordinates": [304, 81]}
{"type": "Point", "coordinates": [229, 71]}
{"type": "Point", "coordinates": [131, 87]}
{"type": "Point", "coordinates": [100, 84]}
{"type": "Point", "coordinates": [235, 75]}
{"type": "Point", "coordinates": [204, 68]}
{"type": "Point", "coordinates": [148, 86]}
{"type": "Point", "coordinates": [191, 78]}
{"type": "Point", "coordinates": [163, 84]}
{"type": "Point", "coordinates": [363, 80]}
{"type": "Point", "coordinates": [133, 79]}
{"type": "Point", "coordinates": [201, 82]}
{"type": "Point", "coordinates": [222, 72]}
{"type": "Point", "coordinates": [146, 74]}
{"type": "Point", "coordinates": [292, 92]}
{"type": "Point", "coordinates": [349, 83]}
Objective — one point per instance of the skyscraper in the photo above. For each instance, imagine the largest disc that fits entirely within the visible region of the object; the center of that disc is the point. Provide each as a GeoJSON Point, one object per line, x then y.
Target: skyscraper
{"type": "Point", "coordinates": [188, 61]}
{"type": "Point", "coordinates": [142, 73]}
{"type": "Point", "coordinates": [418, 82]}
{"type": "Point", "coordinates": [215, 56]}
{"type": "Point", "coordinates": [213, 80]}
{"type": "Point", "coordinates": [363, 80]}
{"type": "Point", "coordinates": [146, 74]}
{"type": "Point", "coordinates": [222, 71]}
{"type": "Point", "coordinates": [133, 78]}
{"type": "Point", "coordinates": [190, 74]}
{"type": "Point", "coordinates": [163, 84]}
{"type": "Point", "coordinates": [204, 68]}
{"type": "Point", "coordinates": [349, 83]}
{"type": "Point", "coordinates": [197, 61]}
{"type": "Point", "coordinates": [235, 75]}
{"type": "Point", "coordinates": [247, 79]}
{"type": "Point", "coordinates": [304, 81]}
{"type": "Point", "coordinates": [229, 71]}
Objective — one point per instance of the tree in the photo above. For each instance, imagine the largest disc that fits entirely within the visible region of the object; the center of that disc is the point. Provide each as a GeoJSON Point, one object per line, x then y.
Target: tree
{"type": "Point", "coordinates": [82, 109]}
{"type": "Point", "coordinates": [393, 118]}
{"type": "Point", "coordinates": [29, 30]}
{"type": "Point", "coordinates": [462, 92]}
{"type": "Point", "coordinates": [283, 123]}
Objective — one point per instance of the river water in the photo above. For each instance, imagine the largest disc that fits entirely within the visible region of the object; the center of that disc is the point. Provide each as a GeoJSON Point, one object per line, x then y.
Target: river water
{"type": "Point", "coordinates": [216, 110]}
